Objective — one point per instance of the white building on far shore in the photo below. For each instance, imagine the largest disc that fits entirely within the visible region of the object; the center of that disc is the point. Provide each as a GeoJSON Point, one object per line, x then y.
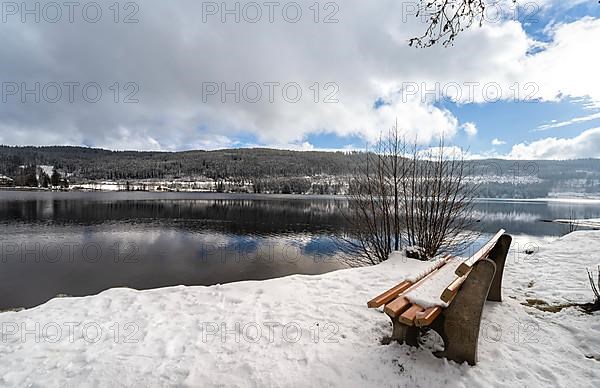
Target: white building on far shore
{"type": "Point", "coordinates": [6, 181]}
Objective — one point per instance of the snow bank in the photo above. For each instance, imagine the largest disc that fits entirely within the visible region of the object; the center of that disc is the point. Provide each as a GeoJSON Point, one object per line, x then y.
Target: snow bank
{"type": "Point", "coordinates": [305, 331]}
{"type": "Point", "coordinates": [556, 272]}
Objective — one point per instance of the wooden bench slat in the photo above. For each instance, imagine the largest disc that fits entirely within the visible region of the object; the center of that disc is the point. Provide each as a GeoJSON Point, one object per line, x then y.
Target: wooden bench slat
{"type": "Point", "coordinates": [396, 307]}
{"type": "Point", "coordinates": [452, 289]}
{"type": "Point", "coordinates": [425, 318]}
{"type": "Point", "coordinates": [482, 253]}
{"type": "Point", "coordinates": [389, 295]}
{"type": "Point", "coordinates": [409, 315]}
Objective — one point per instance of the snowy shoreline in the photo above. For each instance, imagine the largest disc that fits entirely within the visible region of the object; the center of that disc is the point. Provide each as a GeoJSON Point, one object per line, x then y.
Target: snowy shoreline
{"type": "Point", "coordinates": [305, 330]}
{"type": "Point", "coordinates": [567, 198]}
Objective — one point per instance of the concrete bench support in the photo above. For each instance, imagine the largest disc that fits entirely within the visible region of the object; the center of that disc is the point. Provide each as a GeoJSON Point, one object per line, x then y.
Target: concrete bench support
{"type": "Point", "coordinates": [458, 325]}
{"type": "Point", "coordinates": [498, 256]}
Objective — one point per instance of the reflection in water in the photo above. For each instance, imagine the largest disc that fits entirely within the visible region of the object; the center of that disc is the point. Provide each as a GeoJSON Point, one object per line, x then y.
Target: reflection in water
{"type": "Point", "coordinates": [523, 217]}
{"type": "Point", "coordinates": [57, 243]}
{"type": "Point", "coordinates": [83, 243]}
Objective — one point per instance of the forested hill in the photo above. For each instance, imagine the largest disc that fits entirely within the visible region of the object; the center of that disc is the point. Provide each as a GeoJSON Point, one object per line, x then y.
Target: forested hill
{"type": "Point", "coordinates": [93, 163]}
{"type": "Point", "coordinates": [499, 178]}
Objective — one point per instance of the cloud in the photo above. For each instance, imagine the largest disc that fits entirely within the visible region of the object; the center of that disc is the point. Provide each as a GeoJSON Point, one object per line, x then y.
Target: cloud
{"type": "Point", "coordinates": [446, 152]}
{"type": "Point", "coordinates": [585, 145]}
{"type": "Point", "coordinates": [565, 68]}
{"type": "Point", "coordinates": [498, 142]}
{"type": "Point", "coordinates": [171, 55]}
{"type": "Point", "coordinates": [470, 129]}
{"type": "Point", "coordinates": [576, 120]}
{"type": "Point", "coordinates": [456, 152]}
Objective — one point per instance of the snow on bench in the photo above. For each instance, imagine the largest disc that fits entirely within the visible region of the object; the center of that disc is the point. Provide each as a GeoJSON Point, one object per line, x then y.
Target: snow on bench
{"type": "Point", "coordinates": [412, 271]}
{"type": "Point", "coordinates": [428, 293]}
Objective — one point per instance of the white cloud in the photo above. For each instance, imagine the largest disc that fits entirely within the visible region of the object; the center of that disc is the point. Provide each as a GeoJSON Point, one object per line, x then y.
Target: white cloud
{"type": "Point", "coordinates": [559, 124]}
{"type": "Point", "coordinates": [566, 67]}
{"type": "Point", "coordinates": [585, 145]}
{"type": "Point", "coordinates": [456, 152]}
{"type": "Point", "coordinates": [171, 53]}
{"type": "Point", "coordinates": [447, 152]}
{"type": "Point", "coordinates": [470, 129]}
{"type": "Point", "coordinates": [498, 142]}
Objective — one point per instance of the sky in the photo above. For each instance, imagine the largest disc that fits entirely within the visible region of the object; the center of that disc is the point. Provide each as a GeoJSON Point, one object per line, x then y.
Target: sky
{"type": "Point", "coordinates": [304, 75]}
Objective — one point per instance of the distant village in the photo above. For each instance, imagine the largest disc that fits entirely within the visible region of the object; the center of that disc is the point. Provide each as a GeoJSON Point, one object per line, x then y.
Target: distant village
{"type": "Point", "coordinates": [46, 177]}
{"type": "Point", "coordinates": [42, 176]}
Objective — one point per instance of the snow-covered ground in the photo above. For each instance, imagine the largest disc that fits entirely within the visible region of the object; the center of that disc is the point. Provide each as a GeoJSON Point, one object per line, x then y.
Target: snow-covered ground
{"type": "Point", "coordinates": [307, 331]}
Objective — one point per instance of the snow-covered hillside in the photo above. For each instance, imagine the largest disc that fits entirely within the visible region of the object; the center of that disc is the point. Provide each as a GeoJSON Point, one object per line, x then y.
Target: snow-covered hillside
{"type": "Point", "coordinates": [306, 331]}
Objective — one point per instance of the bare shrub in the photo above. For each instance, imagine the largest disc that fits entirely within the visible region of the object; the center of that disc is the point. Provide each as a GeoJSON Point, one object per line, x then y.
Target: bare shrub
{"type": "Point", "coordinates": [412, 195]}
{"type": "Point", "coordinates": [438, 201]}
{"type": "Point", "coordinates": [373, 211]}
{"type": "Point", "coordinates": [573, 221]}
{"type": "Point", "coordinates": [596, 289]}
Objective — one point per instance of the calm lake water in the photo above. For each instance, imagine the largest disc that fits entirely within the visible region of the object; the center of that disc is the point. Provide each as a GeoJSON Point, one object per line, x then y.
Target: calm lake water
{"type": "Point", "coordinates": [83, 243]}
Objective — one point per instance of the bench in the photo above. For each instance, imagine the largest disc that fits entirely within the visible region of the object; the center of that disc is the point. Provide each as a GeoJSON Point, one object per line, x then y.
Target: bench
{"type": "Point", "coordinates": [457, 318]}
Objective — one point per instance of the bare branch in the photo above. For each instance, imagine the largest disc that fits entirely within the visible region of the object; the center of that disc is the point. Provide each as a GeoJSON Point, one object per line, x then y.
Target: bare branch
{"type": "Point", "coordinates": [446, 19]}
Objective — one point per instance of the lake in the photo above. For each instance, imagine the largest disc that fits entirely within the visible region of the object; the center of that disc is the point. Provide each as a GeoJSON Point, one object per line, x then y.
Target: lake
{"type": "Point", "coordinates": [81, 243]}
